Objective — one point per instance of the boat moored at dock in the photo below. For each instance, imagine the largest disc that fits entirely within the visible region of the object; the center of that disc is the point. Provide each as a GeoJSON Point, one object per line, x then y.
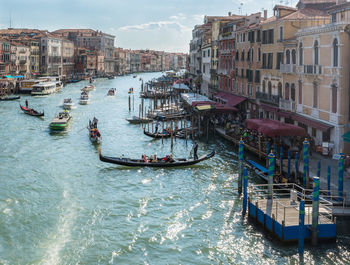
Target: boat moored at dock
{"type": "Point", "coordinates": [44, 89]}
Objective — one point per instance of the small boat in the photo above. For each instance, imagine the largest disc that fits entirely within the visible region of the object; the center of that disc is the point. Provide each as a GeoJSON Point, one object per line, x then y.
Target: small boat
{"type": "Point", "coordinates": [61, 121]}
{"type": "Point", "coordinates": [68, 103]}
{"type": "Point", "coordinates": [174, 162]}
{"type": "Point", "coordinates": [137, 120]}
{"type": "Point", "coordinates": [94, 134]}
{"type": "Point", "coordinates": [164, 134]}
{"type": "Point", "coordinates": [88, 88]}
{"type": "Point", "coordinates": [134, 76]}
{"type": "Point", "coordinates": [91, 80]}
{"type": "Point", "coordinates": [7, 98]}
{"type": "Point", "coordinates": [111, 92]}
{"type": "Point", "coordinates": [84, 98]}
{"type": "Point", "coordinates": [131, 90]}
{"type": "Point", "coordinates": [31, 112]}
{"type": "Point", "coordinates": [111, 77]}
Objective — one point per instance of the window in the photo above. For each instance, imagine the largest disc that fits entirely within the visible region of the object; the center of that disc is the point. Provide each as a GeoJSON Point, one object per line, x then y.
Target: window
{"type": "Point", "coordinates": [242, 56]}
{"type": "Point", "coordinates": [315, 96]}
{"type": "Point", "coordinates": [204, 69]}
{"type": "Point", "coordinates": [280, 89]}
{"type": "Point", "coordinates": [316, 51]}
{"type": "Point", "coordinates": [288, 57]}
{"type": "Point", "coordinates": [335, 53]}
{"type": "Point", "coordinates": [286, 91]}
{"type": "Point", "coordinates": [300, 92]}
{"type": "Point", "coordinates": [281, 34]}
{"type": "Point", "coordinates": [237, 55]}
{"type": "Point", "coordinates": [269, 86]}
{"type": "Point", "coordinates": [264, 86]}
{"type": "Point", "coordinates": [264, 61]}
{"type": "Point", "coordinates": [334, 98]}
{"type": "Point", "coordinates": [334, 17]}
{"type": "Point", "coordinates": [279, 60]}
{"type": "Point", "coordinates": [294, 59]}
{"type": "Point", "coordinates": [257, 76]}
{"type": "Point", "coordinates": [301, 54]}
{"type": "Point", "coordinates": [258, 36]}
{"type": "Point", "coordinates": [292, 92]}
{"type": "Point", "coordinates": [259, 55]}
{"type": "Point", "coordinates": [270, 61]}
{"type": "Point", "coordinates": [208, 53]}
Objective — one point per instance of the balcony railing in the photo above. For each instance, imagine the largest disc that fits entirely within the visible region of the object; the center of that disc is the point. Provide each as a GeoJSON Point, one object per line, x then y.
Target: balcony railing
{"type": "Point", "coordinates": [313, 69]}
{"type": "Point", "coordinates": [287, 105]}
{"type": "Point", "coordinates": [288, 69]}
{"type": "Point", "coordinates": [274, 99]}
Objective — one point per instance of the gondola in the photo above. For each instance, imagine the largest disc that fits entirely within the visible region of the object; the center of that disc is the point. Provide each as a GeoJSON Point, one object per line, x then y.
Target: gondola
{"type": "Point", "coordinates": [177, 162]}
{"type": "Point", "coordinates": [31, 112]}
{"type": "Point", "coordinates": [6, 98]}
{"type": "Point", "coordinates": [161, 135]}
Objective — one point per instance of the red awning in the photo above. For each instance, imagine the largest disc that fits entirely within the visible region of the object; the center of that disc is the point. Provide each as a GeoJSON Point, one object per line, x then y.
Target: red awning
{"type": "Point", "coordinates": [230, 99]}
{"type": "Point", "coordinates": [311, 123]}
{"type": "Point", "coordinates": [272, 128]}
{"type": "Point", "coordinates": [269, 108]}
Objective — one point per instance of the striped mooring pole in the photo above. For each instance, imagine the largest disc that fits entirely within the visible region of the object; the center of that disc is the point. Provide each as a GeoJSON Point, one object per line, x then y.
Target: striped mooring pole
{"type": "Point", "coordinates": [301, 230]}
{"type": "Point", "coordinates": [329, 180]}
{"type": "Point", "coordinates": [315, 210]}
{"type": "Point", "coordinates": [306, 162]}
{"type": "Point", "coordinates": [296, 166]}
{"type": "Point", "coordinates": [341, 176]}
{"type": "Point", "coordinates": [319, 169]}
{"type": "Point", "coordinates": [281, 160]}
{"type": "Point", "coordinates": [245, 190]}
{"type": "Point", "coordinates": [288, 165]}
{"type": "Point", "coordinates": [272, 159]}
{"type": "Point", "coordinates": [240, 159]}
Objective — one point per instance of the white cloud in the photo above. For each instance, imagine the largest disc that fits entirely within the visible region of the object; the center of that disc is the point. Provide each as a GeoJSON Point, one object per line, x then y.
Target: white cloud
{"type": "Point", "coordinates": [157, 25]}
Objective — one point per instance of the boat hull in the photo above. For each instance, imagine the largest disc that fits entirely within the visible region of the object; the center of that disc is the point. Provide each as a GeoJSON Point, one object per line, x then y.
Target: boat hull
{"type": "Point", "coordinates": [179, 162]}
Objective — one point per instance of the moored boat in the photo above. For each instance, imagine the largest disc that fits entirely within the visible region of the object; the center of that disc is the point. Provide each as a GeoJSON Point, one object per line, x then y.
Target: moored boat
{"type": "Point", "coordinates": [84, 98]}
{"type": "Point", "coordinates": [31, 112]}
{"type": "Point", "coordinates": [137, 120]}
{"type": "Point", "coordinates": [111, 92]}
{"type": "Point", "coordinates": [61, 121]}
{"type": "Point", "coordinates": [7, 98]}
{"type": "Point", "coordinates": [68, 103]}
{"type": "Point", "coordinates": [159, 162]}
{"type": "Point", "coordinates": [165, 134]}
{"type": "Point", "coordinates": [26, 86]}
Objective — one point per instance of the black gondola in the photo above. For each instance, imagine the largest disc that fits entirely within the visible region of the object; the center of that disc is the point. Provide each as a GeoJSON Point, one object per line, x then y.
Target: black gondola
{"type": "Point", "coordinates": [176, 162]}
{"type": "Point", "coordinates": [161, 135]}
{"type": "Point", "coordinates": [31, 112]}
{"type": "Point", "coordinates": [9, 98]}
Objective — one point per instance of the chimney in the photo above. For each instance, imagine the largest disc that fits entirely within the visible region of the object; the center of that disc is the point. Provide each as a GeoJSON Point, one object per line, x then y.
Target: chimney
{"type": "Point", "coordinates": [229, 14]}
{"type": "Point", "coordinates": [265, 14]}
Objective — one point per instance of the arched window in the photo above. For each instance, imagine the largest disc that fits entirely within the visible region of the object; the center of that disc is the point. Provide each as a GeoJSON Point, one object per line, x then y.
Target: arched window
{"type": "Point", "coordinates": [301, 54]}
{"type": "Point", "coordinates": [335, 53]}
{"type": "Point", "coordinates": [316, 51]}
{"type": "Point", "coordinates": [288, 57]}
{"type": "Point", "coordinates": [315, 96]}
{"type": "Point", "coordinates": [292, 92]}
{"type": "Point", "coordinates": [286, 91]}
{"type": "Point", "coordinates": [270, 88]}
{"type": "Point", "coordinates": [334, 99]}
{"type": "Point", "coordinates": [280, 89]}
{"type": "Point", "coordinates": [242, 56]}
{"type": "Point", "coordinates": [300, 92]}
{"type": "Point", "coordinates": [264, 86]}
{"type": "Point", "coordinates": [294, 59]}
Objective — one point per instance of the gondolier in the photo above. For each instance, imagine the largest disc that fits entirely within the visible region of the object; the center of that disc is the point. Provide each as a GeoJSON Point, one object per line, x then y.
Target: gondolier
{"type": "Point", "coordinates": [157, 125]}
{"type": "Point", "coordinates": [195, 149]}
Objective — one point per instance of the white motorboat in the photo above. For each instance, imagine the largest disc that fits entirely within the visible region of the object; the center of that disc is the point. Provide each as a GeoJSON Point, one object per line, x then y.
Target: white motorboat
{"type": "Point", "coordinates": [68, 103]}
{"type": "Point", "coordinates": [43, 89]}
{"type": "Point", "coordinates": [111, 92]}
{"type": "Point", "coordinates": [84, 98]}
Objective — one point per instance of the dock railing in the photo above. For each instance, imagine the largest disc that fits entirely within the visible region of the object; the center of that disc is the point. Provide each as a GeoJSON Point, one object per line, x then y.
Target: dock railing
{"type": "Point", "coordinates": [286, 199]}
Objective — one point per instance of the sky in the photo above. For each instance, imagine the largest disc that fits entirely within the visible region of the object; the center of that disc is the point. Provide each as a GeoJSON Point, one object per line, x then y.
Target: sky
{"type": "Point", "coordinates": [137, 24]}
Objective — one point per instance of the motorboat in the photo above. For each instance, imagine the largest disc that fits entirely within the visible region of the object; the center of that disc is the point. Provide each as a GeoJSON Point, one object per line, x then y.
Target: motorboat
{"type": "Point", "coordinates": [68, 103]}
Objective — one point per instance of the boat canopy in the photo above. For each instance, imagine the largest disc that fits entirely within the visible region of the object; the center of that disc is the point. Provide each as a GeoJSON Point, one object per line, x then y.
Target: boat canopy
{"type": "Point", "coordinates": [215, 106]}
{"type": "Point", "coordinates": [272, 128]}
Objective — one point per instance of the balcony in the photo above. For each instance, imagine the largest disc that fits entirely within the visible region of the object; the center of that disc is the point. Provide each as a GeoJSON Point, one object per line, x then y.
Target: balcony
{"type": "Point", "coordinates": [213, 72]}
{"type": "Point", "coordinates": [288, 69]}
{"type": "Point", "coordinates": [313, 69]}
{"type": "Point", "coordinates": [334, 118]}
{"type": "Point", "coordinates": [287, 105]}
{"type": "Point", "coordinates": [274, 99]}
{"type": "Point", "coordinates": [223, 71]}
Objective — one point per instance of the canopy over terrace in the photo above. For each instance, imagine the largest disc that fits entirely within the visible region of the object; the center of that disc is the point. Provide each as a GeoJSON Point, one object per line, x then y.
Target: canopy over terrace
{"type": "Point", "coordinates": [230, 99]}
{"type": "Point", "coordinates": [272, 128]}
{"type": "Point", "coordinates": [216, 107]}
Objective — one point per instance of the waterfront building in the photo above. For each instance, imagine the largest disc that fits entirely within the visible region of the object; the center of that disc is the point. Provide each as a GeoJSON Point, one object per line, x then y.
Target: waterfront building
{"type": "Point", "coordinates": [248, 59]}
{"type": "Point", "coordinates": [67, 57]}
{"type": "Point", "coordinates": [322, 79]}
{"type": "Point", "coordinates": [135, 61]}
{"type": "Point", "coordinates": [22, 60]}
{"type": "Point", "coordinates": [195, 59]}
{"type": "Point", "coordinates": [51, 55]}
{"type": "Point", "coordinates": [206, 63]}
{"type": "Point", "coordinates": [92, 39]}
{"type": "Point", "coordinates": [5, 57]}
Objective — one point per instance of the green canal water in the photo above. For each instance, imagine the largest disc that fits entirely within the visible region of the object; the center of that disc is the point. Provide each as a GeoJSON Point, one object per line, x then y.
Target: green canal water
{"type": "Point", "coordinates": [60, 205]}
